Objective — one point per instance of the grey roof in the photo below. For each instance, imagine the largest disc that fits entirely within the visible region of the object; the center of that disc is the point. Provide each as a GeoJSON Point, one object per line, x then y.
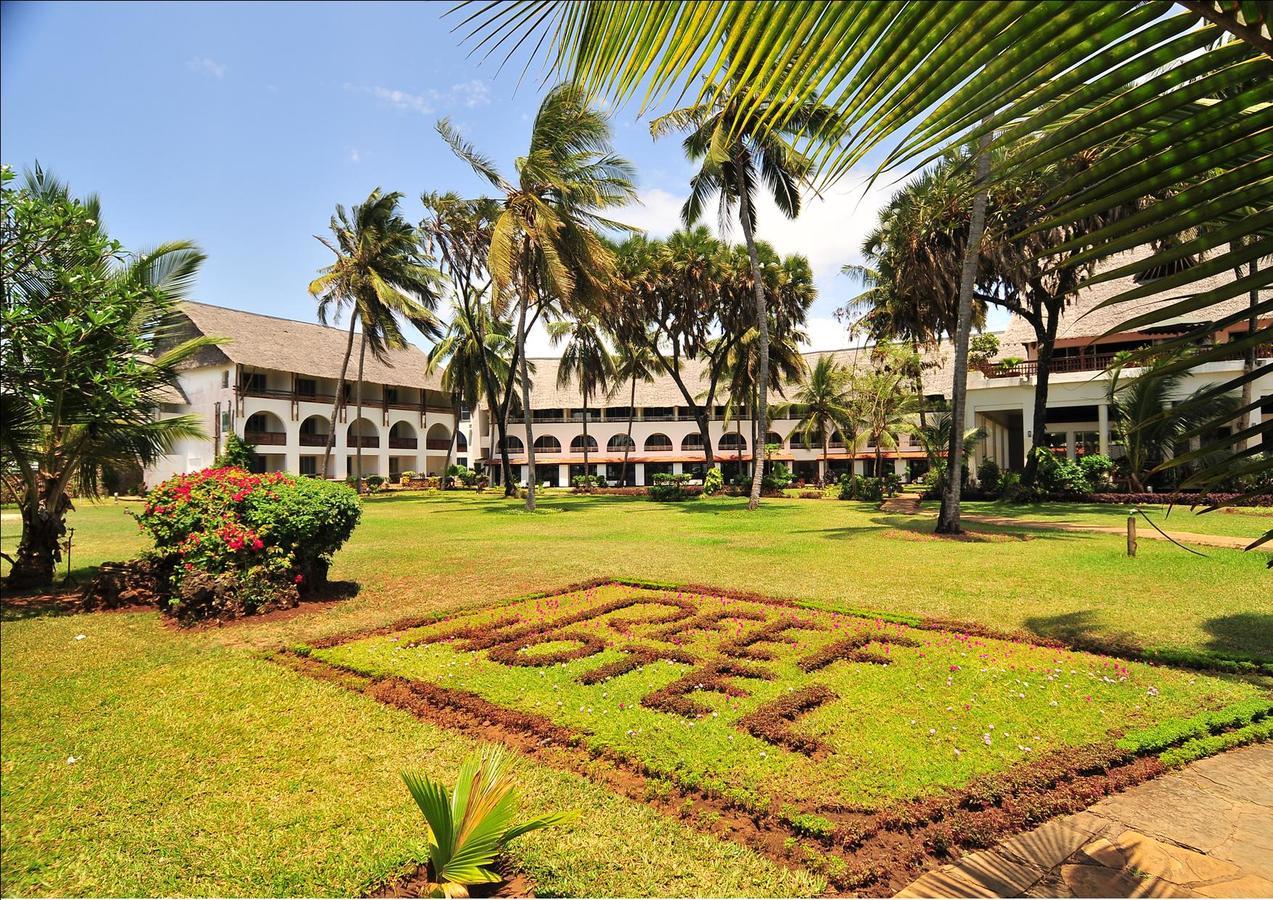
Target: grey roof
{"type": "Point", "coordinates": [1082, 319]}
{"type": "Point", "coordinates": [268, 342]}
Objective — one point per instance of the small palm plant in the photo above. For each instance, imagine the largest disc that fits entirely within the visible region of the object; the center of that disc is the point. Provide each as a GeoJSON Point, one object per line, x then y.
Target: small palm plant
{"type": "Point", "coordinates": [471, 825]}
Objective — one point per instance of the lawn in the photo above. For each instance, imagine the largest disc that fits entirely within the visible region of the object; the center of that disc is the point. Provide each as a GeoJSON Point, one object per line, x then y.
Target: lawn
{"type": "Point", "coordinates": [205, 766]}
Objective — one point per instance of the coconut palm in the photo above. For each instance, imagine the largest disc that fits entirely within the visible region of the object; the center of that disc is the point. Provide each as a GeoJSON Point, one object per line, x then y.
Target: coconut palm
{"type": "Point", "coordinates": [935, 439]}
{"type": "Point", "coordinates": [381, 275]}
{"type": "Point", "coordinates": [882, 407]}
{"type": "Point", "coordinates": [545, 246]}
{"type": "Point", "coordinates": [586, 361]}
{"type": "Point", "coordinates": [472, 349]}
{"type": "Point", "coordinates": [633, 362]}
{"type": "Point", "coordinates": [823, 402]}
{"type": "Point", "coordinates": [736, 156]}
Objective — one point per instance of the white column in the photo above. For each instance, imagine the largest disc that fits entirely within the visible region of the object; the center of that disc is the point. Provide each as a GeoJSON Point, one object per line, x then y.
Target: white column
{"type": "Point", "coordinates": [1069, 445]}
{"type": "Point", "coordinates": [1102, 428]}
{"type": "Point", "coordinates": [676, 468]}
{"type": "Point", "coordinates": [638, 473]}
{"type": "Point", "coordinates": [292, 460]}
{"type": "Point", "coordinates": [340, 451]}
{"type": "Point", "coordinates": [899, 467]}
{"type": "Point", "coordinates": [563, 474]}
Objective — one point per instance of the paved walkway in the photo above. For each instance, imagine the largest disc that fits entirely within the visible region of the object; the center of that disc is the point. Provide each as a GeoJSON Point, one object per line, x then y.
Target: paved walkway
{"type": "Point", "coordinates": [902, 503]}
{"type": "Point", "coordinates": [1203, 831]}
{"type": "Point", "coordinates": [1142, 530]}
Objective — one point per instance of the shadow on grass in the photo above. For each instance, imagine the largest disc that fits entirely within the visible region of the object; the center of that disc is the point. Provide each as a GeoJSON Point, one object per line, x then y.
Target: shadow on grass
{"type": "Point", "coordinates": [17, 607]}
{"type": "Point", "coordinates": [1082, 628]}
{"type": "Point", "coordinates": [1242, 634]}
{"type": "Point", "coordinates": [979, 532]}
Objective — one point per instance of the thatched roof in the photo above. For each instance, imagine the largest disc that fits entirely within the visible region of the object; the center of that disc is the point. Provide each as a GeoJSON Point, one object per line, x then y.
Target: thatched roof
{"type": "Point", "coordinates": [269, 342]}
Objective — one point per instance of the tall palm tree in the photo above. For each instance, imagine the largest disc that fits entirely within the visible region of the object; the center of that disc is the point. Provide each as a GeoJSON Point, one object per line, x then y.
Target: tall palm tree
{"type": "Point", "coordinates": [585, 360]}
{"type": "Point", "coordinates": [736, 153]}
{"type": "Point", "coordinates": [633, 362]}
{"type": "Point", "coordinates": [934, 438]}
{"type": "Point", "coordinates": [882, 408]}
{"type": "Point", "coordinates": [380, 274]}
{"type": "Point", "coordinates": [472, 350]}
{"type": "Point", "coordinates": [545, 246]}
{"type": "Point", "coordinates": [823, 401]}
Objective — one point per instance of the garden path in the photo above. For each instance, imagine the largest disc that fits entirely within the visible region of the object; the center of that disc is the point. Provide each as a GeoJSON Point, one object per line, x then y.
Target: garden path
{"type": "Point", "coordinates": [1203, 831]}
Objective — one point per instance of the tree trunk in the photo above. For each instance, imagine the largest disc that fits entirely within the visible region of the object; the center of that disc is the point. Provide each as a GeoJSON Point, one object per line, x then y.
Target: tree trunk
{"type": "Point", "coordinates": [1043, 374]}
{"type": "Point", "coordinates": [586, 472]}
{"type": "Point", "coordinates": [1253, 416]}
{"type": "Point", "coordinates": [627, 445]}
{"type": "Point", "coordinates": [826, 452]}
{"type": "Point", "coordinates": [702, 416]}
{"type": "Point", "coordinates": [948, 518]}
{"type": "Point", "coordinates": [39, 548]}
{"type": "Point", "coordinates": [762, 331]}
{"type": "Point", "coordinates": [532, 474]}
{"type": "Point", "coordinates": [362, 355]}
{"type": "Point", "coordinates": [510, 484]}
{"type": "Point", "coordinates": [455, 440]}
{"type": "Point", "coordinates": [340, 396]}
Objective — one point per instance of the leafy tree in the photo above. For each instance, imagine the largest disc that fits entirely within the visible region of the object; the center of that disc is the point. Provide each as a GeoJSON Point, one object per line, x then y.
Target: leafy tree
{"type": "Point", "coordinates": [90, 350]}
{"type": "Point", "coordinates": [882, 409]}
{"type": "Point", "coordinates": [823, 402]}
{"type": "Point", "coordinates": [545, 246]}
{"type": "Point", "coordinates": [738, 155]}
{"type": "Point", "coordinates": [381, 275]}
{"type": "Point", "coordinates": [237, 453]}
{"type": "Point", "coordinates": [585, 360]}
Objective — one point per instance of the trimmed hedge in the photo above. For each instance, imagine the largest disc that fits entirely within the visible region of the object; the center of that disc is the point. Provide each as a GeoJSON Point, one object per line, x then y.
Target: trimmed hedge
{"type": "Point", "coordinates": [1180, 499]}
{"type": "Point", "coordinates": [1197, 748]}
{"type": "Point", "coordinates": [1175, 731]}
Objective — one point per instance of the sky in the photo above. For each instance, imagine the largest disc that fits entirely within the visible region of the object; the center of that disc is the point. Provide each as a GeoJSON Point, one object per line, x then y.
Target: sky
{"type": "Point", "coordinates": [241, 126]}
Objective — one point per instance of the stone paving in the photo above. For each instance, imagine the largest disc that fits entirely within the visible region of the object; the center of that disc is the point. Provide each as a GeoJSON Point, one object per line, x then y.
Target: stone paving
{"type": "Point", "coordinates": [1203, 831]}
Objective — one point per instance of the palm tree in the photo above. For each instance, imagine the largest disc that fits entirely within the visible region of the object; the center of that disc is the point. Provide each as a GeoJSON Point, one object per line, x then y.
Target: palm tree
{"type": "Point", "coordinates": [935, 438]}
{"type": "Point", "coordinates": [380, 274]}
{"type": "Point", "coordinates": [1150, 419]}
{"type": "Point", "coordinates": [545, 246]}
{"type": "Point", "coordinates": [882, 408]}
{"type": "Point", "coordinates": [585, 360]}
{"type": "Point", "coordinates": [472, 349]}
{"type": "Point", "coordinates": [633, 362]}
{"type": "Point", "coordinates": [823, 402]}
{"type": "Point", "coordinates": [736, 153]}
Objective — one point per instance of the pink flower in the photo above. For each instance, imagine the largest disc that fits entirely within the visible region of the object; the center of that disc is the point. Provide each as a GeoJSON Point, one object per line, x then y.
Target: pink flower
{"type": "Point", "coordinates": [298, 579]}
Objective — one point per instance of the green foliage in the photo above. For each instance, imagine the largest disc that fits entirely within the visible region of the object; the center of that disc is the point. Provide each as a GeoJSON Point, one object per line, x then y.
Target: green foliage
{"type": "Point", "coordinates": [861, 487]}
{"type": "Point", "coordinates": [1058, 475]}
{"type": "Point", "coordinates": [989, 476]}
{"type": "Point", "coordinates": [982, 348]}
{"type": "Point", "coordinates": [463, 474]}
{"type": "Point", "coordinates": [269, 526]}
{"type": "Point", "coordinates": [777, 478]}
{"type": "Point", "coordinates": [1175, 731]}
{"type": "Point", "coordinates": [1096, 469]}
{"type": "Point", "coordinates": [713, 481]}
{"type": "Point", "coordinates": [669, 487]}
{"type": "Point", "coordinates": [470, 826]}
{"type": "Point", "coordinates": [237, 453]}
{"type": "Point", "coordinates": [583, 482]}
{"type": "Point", "coordinates": [1210, 745]}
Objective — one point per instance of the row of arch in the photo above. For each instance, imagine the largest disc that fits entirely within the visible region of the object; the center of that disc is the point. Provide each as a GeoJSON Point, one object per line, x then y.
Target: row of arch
{"type": "Point", "coordinates": [655, 443]}
{"type": "Point", "coordinates": [402, 435]}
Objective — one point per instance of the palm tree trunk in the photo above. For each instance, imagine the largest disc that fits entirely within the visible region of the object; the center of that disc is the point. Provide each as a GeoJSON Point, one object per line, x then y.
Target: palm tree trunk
{"type": "Point", "coordinates": [948, 517]}
{"type": "Point", "coordinates": [510, 485]}
{"type": "Point", "coordinates": [362, 355]}
{"type": "Point", "coordinates": [762, 331]}
{"type": "Point", "coordinates": [627, 445]}
{"type": "Point", "coordinates": [455, 438]}
{"type": "Point", "coordinates": [826, 452]}
{"type": "Point", "coordinates": [1248, 365]}
{"type": "Point", "coordinates": [1042, 375]}
{"type": "Point", "coordinates": [532, 473]}
{"type": "Point", "coordinates": [587, 473]}
{"type": "Point", "coordinates": [43, 526]}
{"type": "Point", "coordinates": [340, 396]}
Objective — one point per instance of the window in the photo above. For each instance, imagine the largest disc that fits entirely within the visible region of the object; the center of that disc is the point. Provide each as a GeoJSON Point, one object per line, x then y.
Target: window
{"type": "Point", "coordinates": [658, 413]}
{"type": "Point", "coordinates": [620, 443]}
{"type": "Point", "coordinates": [461, 442]}
{"type": "Point", "coordinates": [309, 465]}
{"type": "Point", "coordinates": [773, 437]}
{"type": "Point", "coordinates": [1086, 443]}
{"type": "Point", "coordinates": [692, 443]}
{"type": "Point", "coordinates": [253, 382]}
{"type": "Point", "coordinates": [225, 420]}
{"type": "Point", "coordinates": [306, 387]}
{"type": "Point", "coordinates": [579, 442]}
{"type": "Point", "coordinates": [513, 443]}
{"type": "Point", "coordinates": [732, 440]}
{"type": "Point", "coordinates": [225, 378]}
{"type": "Point", "coordinates": [546, 443]}
{"type": "Point", "coordinates": [465, 412]}
{"type": "Point", "coordinates": [391, 395]}
{"type": "Point", "coordinates": [658, 443]}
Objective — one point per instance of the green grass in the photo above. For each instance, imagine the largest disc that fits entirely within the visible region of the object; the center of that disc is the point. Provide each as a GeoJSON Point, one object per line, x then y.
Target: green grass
{"type": "Point", "coordinates": [203, 768]}
{"type": "Point", "coordinates": [939, 714]}
{"type": "Point", "coordinates": [1242, 522]}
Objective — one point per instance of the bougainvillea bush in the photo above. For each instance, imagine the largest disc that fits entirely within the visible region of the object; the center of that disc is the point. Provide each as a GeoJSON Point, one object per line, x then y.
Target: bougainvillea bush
{"type": "Point", "coordinates": [233, 542]}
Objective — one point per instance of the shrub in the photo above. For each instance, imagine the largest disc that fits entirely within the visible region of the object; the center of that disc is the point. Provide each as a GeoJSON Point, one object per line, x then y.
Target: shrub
{"type": "Point", "coordinates": [1059, 476]}
{"type": "Point", "coordinates": [588, 482]}
{"type": "Point", "coordinates": [375, 482]}
{"type": "Point", "coordinates": [237, 453]}
{"type": "Point", "coordinates": [257, 536]}
{"type": "Point", "coordinates": [713, 481]}
{"type": "Point", "coordinates": [1097, 471]}
{"type": "Point", "coordinates": [777, 478]}
{"type": "Point", "coordinates": [988, 476]}
{"type": "Point", "coordinates": [671, 487]}
{"type": "Point", "coordinates": [861, 487]}
{"type": "Point", "coordinates": [1010, 486]}
{"type": "Point", "coordinates": [463, 474]}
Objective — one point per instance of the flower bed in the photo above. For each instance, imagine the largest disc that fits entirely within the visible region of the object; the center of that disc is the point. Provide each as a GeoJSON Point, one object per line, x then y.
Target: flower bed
{"type": "Point", "coordinates": [229, 543]}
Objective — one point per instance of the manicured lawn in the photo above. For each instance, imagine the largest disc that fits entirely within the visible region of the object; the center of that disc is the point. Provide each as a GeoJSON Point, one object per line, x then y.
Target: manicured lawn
{"type": "Point", "coordinates": [204, 767]}
{"type": "Point", "coordinates": [1243, 522]}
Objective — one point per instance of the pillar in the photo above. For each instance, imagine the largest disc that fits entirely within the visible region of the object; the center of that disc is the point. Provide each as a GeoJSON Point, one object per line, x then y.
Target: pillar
{"type": "Point", "coordinates": [1102, 428]}
{"type": "Point", "coordinates": [563, 474]}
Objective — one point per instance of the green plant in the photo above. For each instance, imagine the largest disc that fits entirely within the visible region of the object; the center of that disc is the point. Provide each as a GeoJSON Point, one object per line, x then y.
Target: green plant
{"type": "Point", "coordinates": [1097, 469]}
{"type": "Point", "coordinates": [470, 826]}
{"type": "Point", "coordinates": [989, 476]}
{"type": "Point", "coordinates": [713, 481]}
{"type": "Point", "coordinates": [861, 487]}
{"type": "Point", "coordinates": [585, 482]}
{"type": "Point", "coordinates": [1058, 475]}
{"type": "Point", "coordinates": [982, 349]}
{"type": "Point", "coordinates": [777, 478]}
{"type": "Point", "coordinates": [671, 487]}
{"type": "Point", "coordinates": [1010, 486]}
{"type": "Point", "coordinates": [236, 452]}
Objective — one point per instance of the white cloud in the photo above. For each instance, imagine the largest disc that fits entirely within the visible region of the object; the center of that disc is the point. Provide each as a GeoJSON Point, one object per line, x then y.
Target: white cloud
{"type": "Point", "coordinates": [206, 66]}
{"type": "Point", "coordinates": [354, 155]}
{"type": "Point", "coordinates": [465, 94]}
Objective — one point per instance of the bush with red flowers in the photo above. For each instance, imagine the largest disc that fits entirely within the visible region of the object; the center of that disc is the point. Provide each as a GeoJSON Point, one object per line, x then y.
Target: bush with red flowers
{"type": "Point", "coordinates": [233, 542]}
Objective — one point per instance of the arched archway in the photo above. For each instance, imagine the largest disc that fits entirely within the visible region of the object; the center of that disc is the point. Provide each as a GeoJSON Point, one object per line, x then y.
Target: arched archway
{"type": "Point", "coordinates": [314, 431]}
{"type": "Point", "coordinates": [512, 443]}
{"type": "Point", "coordinates": [402, 436]}
{"type": "Point", "coordinates": [658, 443]}
{"type": "Point", "coordinates": [264, 429]}
{"type": "Point", "coordinates": [546, 443]}
{"type": "Point", "coordinates": [579, 441]}
{"type": "Point", "coordinates": [692, 442]}
{"type": "Point", "coordinates": [732, 440]}
{"type": "Point", "coordinates": [362, 432]}
{"type": "Point", "coordinates": [438, 437]}
{"type": "Point", "coordinates": [620, 443]}
{"type": "Point", "coordinates": [773, 437]}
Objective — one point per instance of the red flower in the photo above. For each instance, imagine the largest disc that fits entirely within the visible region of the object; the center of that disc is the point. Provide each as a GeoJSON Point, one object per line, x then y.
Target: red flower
{"type": "Point", "coordinates": [298, 579]}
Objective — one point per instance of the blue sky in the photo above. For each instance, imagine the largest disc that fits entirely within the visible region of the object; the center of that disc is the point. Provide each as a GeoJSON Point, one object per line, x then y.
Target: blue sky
{"type": "Point", "coordinates": [240, 126]}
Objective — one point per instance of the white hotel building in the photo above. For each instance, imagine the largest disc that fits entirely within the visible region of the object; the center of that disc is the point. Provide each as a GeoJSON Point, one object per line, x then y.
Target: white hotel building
{"type": "Point", "coordinates": [272, 382]}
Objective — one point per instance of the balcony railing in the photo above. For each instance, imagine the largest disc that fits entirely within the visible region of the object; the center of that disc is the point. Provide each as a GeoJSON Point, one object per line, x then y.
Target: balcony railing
{"type": "Point", "coordinates": [402, 443]}
{"type": "Point", "coordinates": [272, 438]}
{"type": "Point", "coordinates": [366, 440]}
{"type": "Point", "coordinates": [328, 399]}
{"type": "Point", "coordinates": [1087, 362]}
{"type": "Point", "coordinates": [313, 440]}
{"type": "Point", "coordinates": [437, 444]}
